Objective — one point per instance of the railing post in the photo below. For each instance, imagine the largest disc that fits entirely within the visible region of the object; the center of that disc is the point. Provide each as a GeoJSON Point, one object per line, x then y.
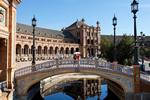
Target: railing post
{"type": "Point", "coordinates": [57, 64]}
{"type": "Point", "coordinates": [114, 66]}
{"type": "Point", "coordinates": [96, 63]}
{"type": "Point", "coordinates": [136, 75]}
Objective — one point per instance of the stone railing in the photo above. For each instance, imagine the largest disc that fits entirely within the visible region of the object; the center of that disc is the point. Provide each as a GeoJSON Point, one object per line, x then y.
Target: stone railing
{"type": "Point", "coordinates": [39, 57]}
{"type": "Point", "coordinates": [145, 76]}
{"type": "Point", "coordinates": [83, 63]}
{"type": "Point", "coordinates": [3, 85]}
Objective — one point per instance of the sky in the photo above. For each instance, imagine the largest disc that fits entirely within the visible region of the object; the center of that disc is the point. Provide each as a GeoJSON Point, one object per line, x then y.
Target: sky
{"type": "Point", "coordinates": [58, 14]}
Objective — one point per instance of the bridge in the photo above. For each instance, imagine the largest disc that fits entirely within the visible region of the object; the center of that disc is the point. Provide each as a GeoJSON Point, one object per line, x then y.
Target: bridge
{"type": "Point", "coordinates": [123, 76]}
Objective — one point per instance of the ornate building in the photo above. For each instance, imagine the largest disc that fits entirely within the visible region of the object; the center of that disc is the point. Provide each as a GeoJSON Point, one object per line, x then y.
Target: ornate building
{"type": "Point", "coordinates": [78, 37]}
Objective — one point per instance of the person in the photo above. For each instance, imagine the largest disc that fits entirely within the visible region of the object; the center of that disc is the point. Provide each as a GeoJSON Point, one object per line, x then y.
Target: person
{"type": "Point", "coordinates": [74, 58]}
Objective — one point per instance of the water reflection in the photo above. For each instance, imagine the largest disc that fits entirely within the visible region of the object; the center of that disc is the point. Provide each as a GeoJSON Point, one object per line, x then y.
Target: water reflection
{"type": "Point", "coordinates": [85, 89]}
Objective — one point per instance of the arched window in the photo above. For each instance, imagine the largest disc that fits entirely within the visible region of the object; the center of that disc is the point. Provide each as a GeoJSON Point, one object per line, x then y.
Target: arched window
{"type": "Point", "coordinates": [56, 50]}
{"type": "Point", "coordinates": [72, 50]}
{"type": "Point", "coordinates": [45, 50]}
{"type": "Point", "coordinates": [61, 50]}
{"type": "Point", "coordinates": [39, 50]}
{"type": "Point", "coordinates": [88, 41]}
{"type": "Point", "coordinates": [67, 50]}
{"type": "Point", "coordinates": [26, 49]}
{"type": "Point", "coordinates": [77, 49]}
{"type": "Point", "coordinates": [18, 49]}
{"type": "Point", "coordinates": [92, 42]}
{"type": "Point", "coordinates": [51, 50]}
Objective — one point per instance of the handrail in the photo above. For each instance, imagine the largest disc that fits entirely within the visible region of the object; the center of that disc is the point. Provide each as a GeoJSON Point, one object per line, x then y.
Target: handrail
{"type": "Point", "coordinates": [83, 63]}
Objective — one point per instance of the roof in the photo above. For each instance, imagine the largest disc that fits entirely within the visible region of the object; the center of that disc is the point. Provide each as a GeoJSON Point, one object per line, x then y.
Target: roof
{"type": "Point", "coordinates": [77, 24]}
{"type": "Point", "coordinates": [43, 32]}
{"type": "Point", "coordinates": [69, 35]}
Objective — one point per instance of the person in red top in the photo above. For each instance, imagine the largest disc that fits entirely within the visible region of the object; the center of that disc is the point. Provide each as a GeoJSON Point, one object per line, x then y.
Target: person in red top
{"type": "Point", "coordinates": [76, 57]}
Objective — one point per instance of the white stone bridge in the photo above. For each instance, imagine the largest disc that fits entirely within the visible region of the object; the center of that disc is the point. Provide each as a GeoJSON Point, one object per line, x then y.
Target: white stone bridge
{"type": "Point", "coordinates": [26, 77]}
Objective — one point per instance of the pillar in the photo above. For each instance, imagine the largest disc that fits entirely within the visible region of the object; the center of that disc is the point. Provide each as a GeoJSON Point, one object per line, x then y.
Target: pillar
{"type": "Point", "coordinates": [136, 74]}
{"type": "Point", "coordinates": [11, 42]}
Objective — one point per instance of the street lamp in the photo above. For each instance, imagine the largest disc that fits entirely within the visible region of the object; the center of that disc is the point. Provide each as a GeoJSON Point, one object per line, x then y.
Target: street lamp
{"type": "Point", "coordinates": [33, 47]}
{"type": "Point", "coordinates": [134, 10]}
{"type": "Point", "coordinates": [142, 48]}
{"type": "Point", "coordinates": [136, 69]}
{"type": "Point", "coordinates": [114, 22]}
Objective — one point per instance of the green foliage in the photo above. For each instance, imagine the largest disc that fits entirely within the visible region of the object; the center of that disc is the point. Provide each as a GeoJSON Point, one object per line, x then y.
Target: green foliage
{"type": "Point", "coordinates": [106, 46]}
{"type": "Point", "coordinates": [124, 50]}
{"type": "Point", "coordinates": [147, 52]}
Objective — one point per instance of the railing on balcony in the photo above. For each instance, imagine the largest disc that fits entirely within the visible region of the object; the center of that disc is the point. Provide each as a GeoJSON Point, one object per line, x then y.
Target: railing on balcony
{"type": "Point", "coordinates": [70, 63]}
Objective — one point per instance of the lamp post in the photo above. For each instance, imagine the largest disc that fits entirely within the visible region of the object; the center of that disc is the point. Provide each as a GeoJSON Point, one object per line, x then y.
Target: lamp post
{"type": "Point", "coordinates": [114, 22]}
{"type": "Point", "coordinates": [136, 69]}
{"type": "Point", "coordinates": [33, 47]}
{"type": "Point", "coordinates": [134, 10]}
{"type": "Point", "coordinates": [142, 48]}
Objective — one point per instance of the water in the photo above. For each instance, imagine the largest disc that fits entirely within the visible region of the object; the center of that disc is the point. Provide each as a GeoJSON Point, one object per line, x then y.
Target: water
{"type": "Point", "coordinates": [63, 96]}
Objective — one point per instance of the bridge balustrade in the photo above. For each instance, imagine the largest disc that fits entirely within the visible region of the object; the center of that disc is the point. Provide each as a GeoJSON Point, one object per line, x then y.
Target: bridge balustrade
{"type": "Point", "coordinates": [145, 76]}
{"type": "Point", "coordinates": [3, 85]}
{"type": "Point", "coordinates": [83, 63]}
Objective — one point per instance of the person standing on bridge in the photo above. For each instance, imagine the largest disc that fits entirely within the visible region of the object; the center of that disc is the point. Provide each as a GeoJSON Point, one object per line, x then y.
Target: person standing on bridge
{"type": "Point", "coordinates": [76, 58]}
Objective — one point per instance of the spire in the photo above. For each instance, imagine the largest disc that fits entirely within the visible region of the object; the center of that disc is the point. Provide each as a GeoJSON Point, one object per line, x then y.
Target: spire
{"type": "Point", "coordinates": [97, 23]}
{"type": "Point", "coordinates": [83, 20]}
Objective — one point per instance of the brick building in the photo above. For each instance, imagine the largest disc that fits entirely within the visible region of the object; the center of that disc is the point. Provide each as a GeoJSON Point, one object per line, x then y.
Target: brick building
{"type": "Point", "coordinates": [78, 37]}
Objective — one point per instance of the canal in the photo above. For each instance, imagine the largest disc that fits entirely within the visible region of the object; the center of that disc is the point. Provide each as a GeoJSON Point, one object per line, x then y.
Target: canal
{"type": "Point", "coordinates": [63, 96]}
{"type": "Point", "coordinates": [83, 89]}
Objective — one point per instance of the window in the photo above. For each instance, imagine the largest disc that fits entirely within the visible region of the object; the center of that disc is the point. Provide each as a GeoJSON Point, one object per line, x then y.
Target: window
{"type": "Point", "coordinates": [42, 39]}
{"type": "Point", "coordinates": [54, 40]}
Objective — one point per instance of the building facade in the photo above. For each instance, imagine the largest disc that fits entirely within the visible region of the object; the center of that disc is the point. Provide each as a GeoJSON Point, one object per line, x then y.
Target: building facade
{"type": "Point", "coordinates": [51, 44]}
{"type": "Point", "coordinates": [7, 39]}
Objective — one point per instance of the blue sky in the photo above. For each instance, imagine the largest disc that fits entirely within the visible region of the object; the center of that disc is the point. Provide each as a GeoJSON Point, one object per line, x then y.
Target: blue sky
{"type": "Point", "coordinates": [56, 14]}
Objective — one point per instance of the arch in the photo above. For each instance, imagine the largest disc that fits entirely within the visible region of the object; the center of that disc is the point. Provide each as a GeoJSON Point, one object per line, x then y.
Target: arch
{"type": "Point", "coordinates": [45, 50]}
{"type": "Point", "coordinates": [72, 50]}
{"type": "Point", "coordinates": [92, 41]}
{"type": "Point", "coordinates": [56, 50]}
{"type": "Point", "coordinates": [88, 52]}
{"type": "Point", "coordinates": [26, 49]}
{"type": "Point", "coordinates": [67, 50]}
{"type": "Point", "coordinates": [92, 52]}
{"type": "Point", "coordinates": [51, 50]}
{"type": "Point", "coordinates": [88, 41]}
{"type": "Point", "coordinates": [39, 51]}
{"type": "Point", "coordinates": [61, 50]}
{"type": "Point", "coordinates": [77, 49]}
{"type": "Point", "coordinates": [18, 49]}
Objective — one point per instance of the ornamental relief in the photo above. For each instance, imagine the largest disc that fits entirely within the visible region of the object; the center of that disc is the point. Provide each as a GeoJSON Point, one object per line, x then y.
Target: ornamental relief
{"type": "Point", "coordinates": [2, 16]}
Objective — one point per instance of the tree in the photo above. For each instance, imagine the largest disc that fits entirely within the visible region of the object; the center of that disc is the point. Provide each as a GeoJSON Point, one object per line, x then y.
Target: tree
{"type": "Point", "coordinates": [125, 50]}
{"type": "Point", "coordinates": [147, 52]}
{"type": "Point", "coordinates": [106, 49]}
